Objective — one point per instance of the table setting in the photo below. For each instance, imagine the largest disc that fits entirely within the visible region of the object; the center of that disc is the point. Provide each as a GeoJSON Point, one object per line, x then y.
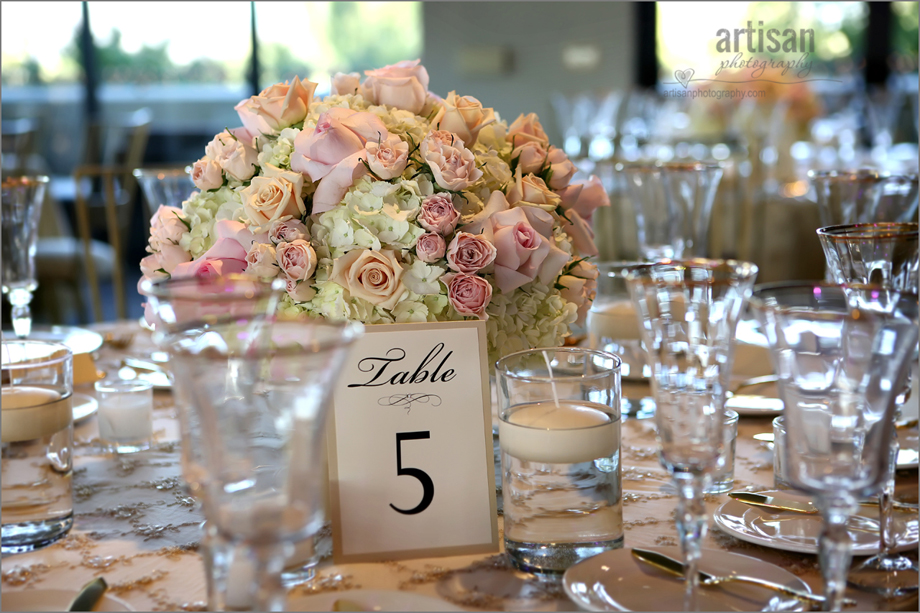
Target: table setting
{"type": "Point", "coordinates": [384, 265]}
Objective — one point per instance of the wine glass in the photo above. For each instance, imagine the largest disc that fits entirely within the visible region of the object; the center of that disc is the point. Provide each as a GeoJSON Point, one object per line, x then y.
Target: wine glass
{"type": "Point", "coordinates": [842, 354]}
{"type": "Point", "coordinates": [22, 199]}
{"type": "Point", "coordinates": [864, 196]}
{"type": "Point", "coordinates": [887, 255]}
{"type": "Point", "coordinates": [261, 396]}
{"type": "Point", "coordinates": [673, 204]}
{"type": "Point", "coordinates": [165, 186]}
{"type": "Point", "coordinates": [688, 311]}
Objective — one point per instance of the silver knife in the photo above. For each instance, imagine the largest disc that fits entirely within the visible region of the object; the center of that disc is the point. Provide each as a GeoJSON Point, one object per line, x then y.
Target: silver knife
{"type": "Point", "coordinates": [676, 567]}
{"type": "Point", "coordinates": [774, 502]}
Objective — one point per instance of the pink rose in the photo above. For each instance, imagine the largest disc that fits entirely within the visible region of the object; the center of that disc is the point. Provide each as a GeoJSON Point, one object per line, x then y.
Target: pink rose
{"type": "Point", "coordinates": [170, 256]}
{"type": "Point", "coordinates": [297, 259]}
{"type": "Point", "coordinates": [468, 294]}
{"type": "Point", "coordinates": [277, 107]}
{"type": "Point", "coordinates": [531, 155]}
{"type": "Point", "coordinates": [438, 138]}
{"type": "Point", "coordinates": [469, 253]}
{"type": "Point", "coordinates": [375, 276]}
{"type": "Point", "coordinates": [531, 190]}
{"type": "Point", "coordinates": [234, 153]}
{"type": "Point", "coordinates": [585, 197]}
{"type": "Point", "coordinates": [287, 231]}
{"type": "Point", "coordinates": [562, 168]}
{"type": "Point", "coordinates": [464, 116]}
{"type": "Point", "coordinates": [430, 247]}
{"type": "Point", "coordinates": [339, 133]}
{"type": "Point", "coordinates": [403, 85]}
{"type": "Point", "coordinates": [261, 261]}
{"type": "Point", "coordinates": [580, 288]}
{"type": "Point", "coordinates": [167, 226]}
{"type": "Point", "coordinates": [524, 253]}
{"type": "Point", "coordinates": [345, 83]}
{"type": "Point", "coordinates": [226, 257]}
{"type": "Point", "coordinates": [581, 234]}
{"type": "Point", "coordinates": [453, 168]}
{"type": "Point", "coordinates": [206, 174]}
{"type": "Point", "coordinates": [274, 196]}
{"type": "Point", "coordinates": [300, 291]}
{"type": "Point", "coordinates": [438, 214]}
{"type": "Point", "coordinates": [152, 267]}
{"type": "Point", "coordinates": [526, 128]}
{"type": "Point", "coordinates": [388, 158]}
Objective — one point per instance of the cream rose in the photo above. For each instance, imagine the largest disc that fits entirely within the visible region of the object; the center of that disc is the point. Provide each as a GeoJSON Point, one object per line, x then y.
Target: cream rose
{"type": "Point", "coordinates": [167, 226]}
{"type": "Point", "coordinates": [464, 116]}
{"type": "Point", "coordinates": [531, 156]}
{"type": "Point", "coordinates": [453, 168]}
{"type": "Point", "coordinates": [277, 107]}
{"type": "Point", "coordinates": [403, 85]}
{"type": "Point", "coordinates": [273, 197]}
{"type": "Point", "coordinates": [234, 152]}
{"type": "Point", "coordinates": [287, 231]}
{"type": "Point", "coordinates": [531, 190]}
{"type": "Point", "coordinates": [206, 174]}
{"type": "Point", "coordinates": [562, 168]}
{"type": "Point", "coordinates": [526, 128]}
{"type": "Point", "coordinates": [261, 261]}
{"type": "Point", "coordinates": [375, 276]}
{"type": "Point", "coordinates": [296, 259]}
{"type": "Point", "coordinates": [387, 158]}
{"type": "Point", "coordinates": [300, 291]}
{"type": "Point", "coordinates": [345, 83]}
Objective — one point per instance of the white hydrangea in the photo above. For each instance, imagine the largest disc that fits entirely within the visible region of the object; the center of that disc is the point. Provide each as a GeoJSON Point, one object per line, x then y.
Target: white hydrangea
{"type": "Point", "coordinates": [277, 151]}
{"type": "Point", "coordinates": [422, 278]}
{"type": "Point", "coordinates": [202, 210]}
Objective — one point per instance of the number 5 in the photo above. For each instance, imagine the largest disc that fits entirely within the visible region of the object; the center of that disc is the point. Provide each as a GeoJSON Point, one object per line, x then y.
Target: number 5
{"type": "Point", "coordinates": [422, 476]}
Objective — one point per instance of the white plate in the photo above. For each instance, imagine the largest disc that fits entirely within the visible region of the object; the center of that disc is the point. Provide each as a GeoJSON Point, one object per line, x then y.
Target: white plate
{"type": "Point", "coordinates": [617, 581]}
{"type": "Point", "coordinates": [371, 600]}
{"type": "Point", "coordinates": [755, 406]}
{"type": "Point", "coordinates": [749, 331]}
{"type": "Point", "coordinates": [83, 406]}
{"type": "Point", "coordinates": [908, 455]}
{"type": "Point", "coordinates": [79, 340]}
{"type": "Point", "coordinates": [798, 532]}
{"type": "Point", "coordinates": [54, 600]}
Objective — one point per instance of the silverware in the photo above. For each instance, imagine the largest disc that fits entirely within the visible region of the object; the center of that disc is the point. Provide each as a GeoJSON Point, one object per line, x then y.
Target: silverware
{"type": "Point", "coordinates": [906, 425]}
{"type": "Point", "coordinates": [676, 567]}
{"type": "Point", "coordinates": [797, 506]}
{"type": "Point", "coordinates": [89, 595]}
{"type": "Point", "coordinates": [755, 381]}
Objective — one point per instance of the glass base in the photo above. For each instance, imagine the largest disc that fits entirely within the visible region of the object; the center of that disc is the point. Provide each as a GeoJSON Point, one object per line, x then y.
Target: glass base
{"type": "Point", "coordinates": [889, 575]}
{"type": "Point", "coordinates": [29, 536]}
{"type": "Point", "coordinates": [721, 484]}
{"type": "Point", "coordinates": [132, 447]}
{"type": "Point", "coordinates": [554, 558]}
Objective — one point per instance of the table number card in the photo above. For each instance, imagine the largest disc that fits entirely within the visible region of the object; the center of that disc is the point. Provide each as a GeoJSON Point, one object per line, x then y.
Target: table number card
{"type": "Point", "coordinates": [410, 445]}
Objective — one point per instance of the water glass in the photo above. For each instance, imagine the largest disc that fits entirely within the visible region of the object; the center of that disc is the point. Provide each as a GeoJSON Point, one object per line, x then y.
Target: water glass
{"type": "Point", "coordinates": [673, 204]}
{"type": "Point", "coordinates": [689, 310]}
{"type": "Point", "coordinates": [260, 394]}
{"type": "Point", "coordinates": [165, 186]}
{"type": "Point", "coordinates": [780, 473]}
{"type": "Point", "coordinates": [842, 354]}
{"type": "Point", "coordinates": [37, 432]}
{"type": "Point", "coordinates": [723, 477]}
{"type": "Point", "coordinates": [883, 253]}
{"type": "Point", "coordinates": [22, 199]}
{"type": "Point", "coordinates": [864, 196]}
{"type": "Point", "coordinates": [125, 414]}
{"type": "Point", "coordinates": [612, 322]}
{"type": "Point", "coordinates": [559, 431]}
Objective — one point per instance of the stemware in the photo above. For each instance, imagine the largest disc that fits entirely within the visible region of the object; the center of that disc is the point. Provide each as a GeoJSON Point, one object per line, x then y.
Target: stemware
{"type": "Point", "coordinates": [22, 199]}
{"type": "Point", "coordinates": [164, 186]}
{"type": "Point", "coordinates": [864, 196]}
{"type": "Point", "coordinates": [261, 396]}
{"type": "Point", "coordinates": [842, 354]}
{"type": "Point", "coordinates": [887, 255]}
{"type": "Point", "coordinates": [688, 311]}
{"type": "Point", "coordinates": [673, 204]}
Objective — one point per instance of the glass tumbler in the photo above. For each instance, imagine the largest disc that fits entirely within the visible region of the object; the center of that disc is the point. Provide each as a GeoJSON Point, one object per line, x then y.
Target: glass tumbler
{"type": "Point", "coordinates": [613, 325]}
{"type": "Point", "coordinates": [37, 432]}
{"type": "Point", "coordinates": [559, 431]}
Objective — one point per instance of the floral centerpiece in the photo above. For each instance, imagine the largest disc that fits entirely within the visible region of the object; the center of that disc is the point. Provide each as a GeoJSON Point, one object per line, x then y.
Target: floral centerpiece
{"type": "Point", "coordinates": [384, 203]}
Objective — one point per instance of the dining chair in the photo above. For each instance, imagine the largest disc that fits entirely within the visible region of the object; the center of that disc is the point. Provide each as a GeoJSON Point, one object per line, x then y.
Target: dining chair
{"type": "Point", "coordinates": [116, 184]}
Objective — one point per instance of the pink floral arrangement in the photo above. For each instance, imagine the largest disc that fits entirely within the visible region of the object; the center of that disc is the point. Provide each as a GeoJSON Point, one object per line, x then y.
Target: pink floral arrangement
{"type": "Point", "coordinates": [384, 203]}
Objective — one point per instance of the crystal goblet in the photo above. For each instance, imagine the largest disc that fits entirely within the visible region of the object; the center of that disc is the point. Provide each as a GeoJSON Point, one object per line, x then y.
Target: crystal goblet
{"type": "Point", "coordinates": [673, 204]}
{"type": "Point", "coordinates": [688, 311]}
{"type": "Point", "coordinates": [841, 354]}
{"type": "Point", "coordinates": [164, 186]}
{"type": "Point", "coordinates": [22, 199]}
{"type": "Point", "coordinates": [887, 255]}
{"type": "Point", "coordinates": [864, 196]}
{"type": "Point", "coordinates": [261, 396]}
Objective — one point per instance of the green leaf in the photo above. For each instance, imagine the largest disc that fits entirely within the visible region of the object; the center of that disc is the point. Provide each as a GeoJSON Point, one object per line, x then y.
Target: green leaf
{"type": "Point", "coordinates": [163, 270]}
{"type": "Point", "coordinates": [185, 222]}
{"type": "Point", "coordinates": [232, 135]}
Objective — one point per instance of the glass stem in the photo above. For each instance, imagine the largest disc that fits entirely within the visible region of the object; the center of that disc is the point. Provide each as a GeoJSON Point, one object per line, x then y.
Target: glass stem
{"type": "Point", "coordinates": [268, 563]}
{"type": "Point", "coordinates": [885, 498]}
{"type": "Point", "coordinates": [20, 312]}
{"type": "Point", "coordinates": [217, 556]}
{"type": "Point", "coordinates": [691, 526]}
{"type": "Point", "coordinates": [834, 549]}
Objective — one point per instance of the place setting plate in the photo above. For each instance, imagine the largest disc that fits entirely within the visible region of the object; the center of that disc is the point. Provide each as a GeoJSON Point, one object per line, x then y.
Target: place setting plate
{"type": "Point", "coordinates": [799, 532]}
{"type": "Point", "coordinates": [616, 581]}
{"type": "Point", "coordinates": [369, 600]}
